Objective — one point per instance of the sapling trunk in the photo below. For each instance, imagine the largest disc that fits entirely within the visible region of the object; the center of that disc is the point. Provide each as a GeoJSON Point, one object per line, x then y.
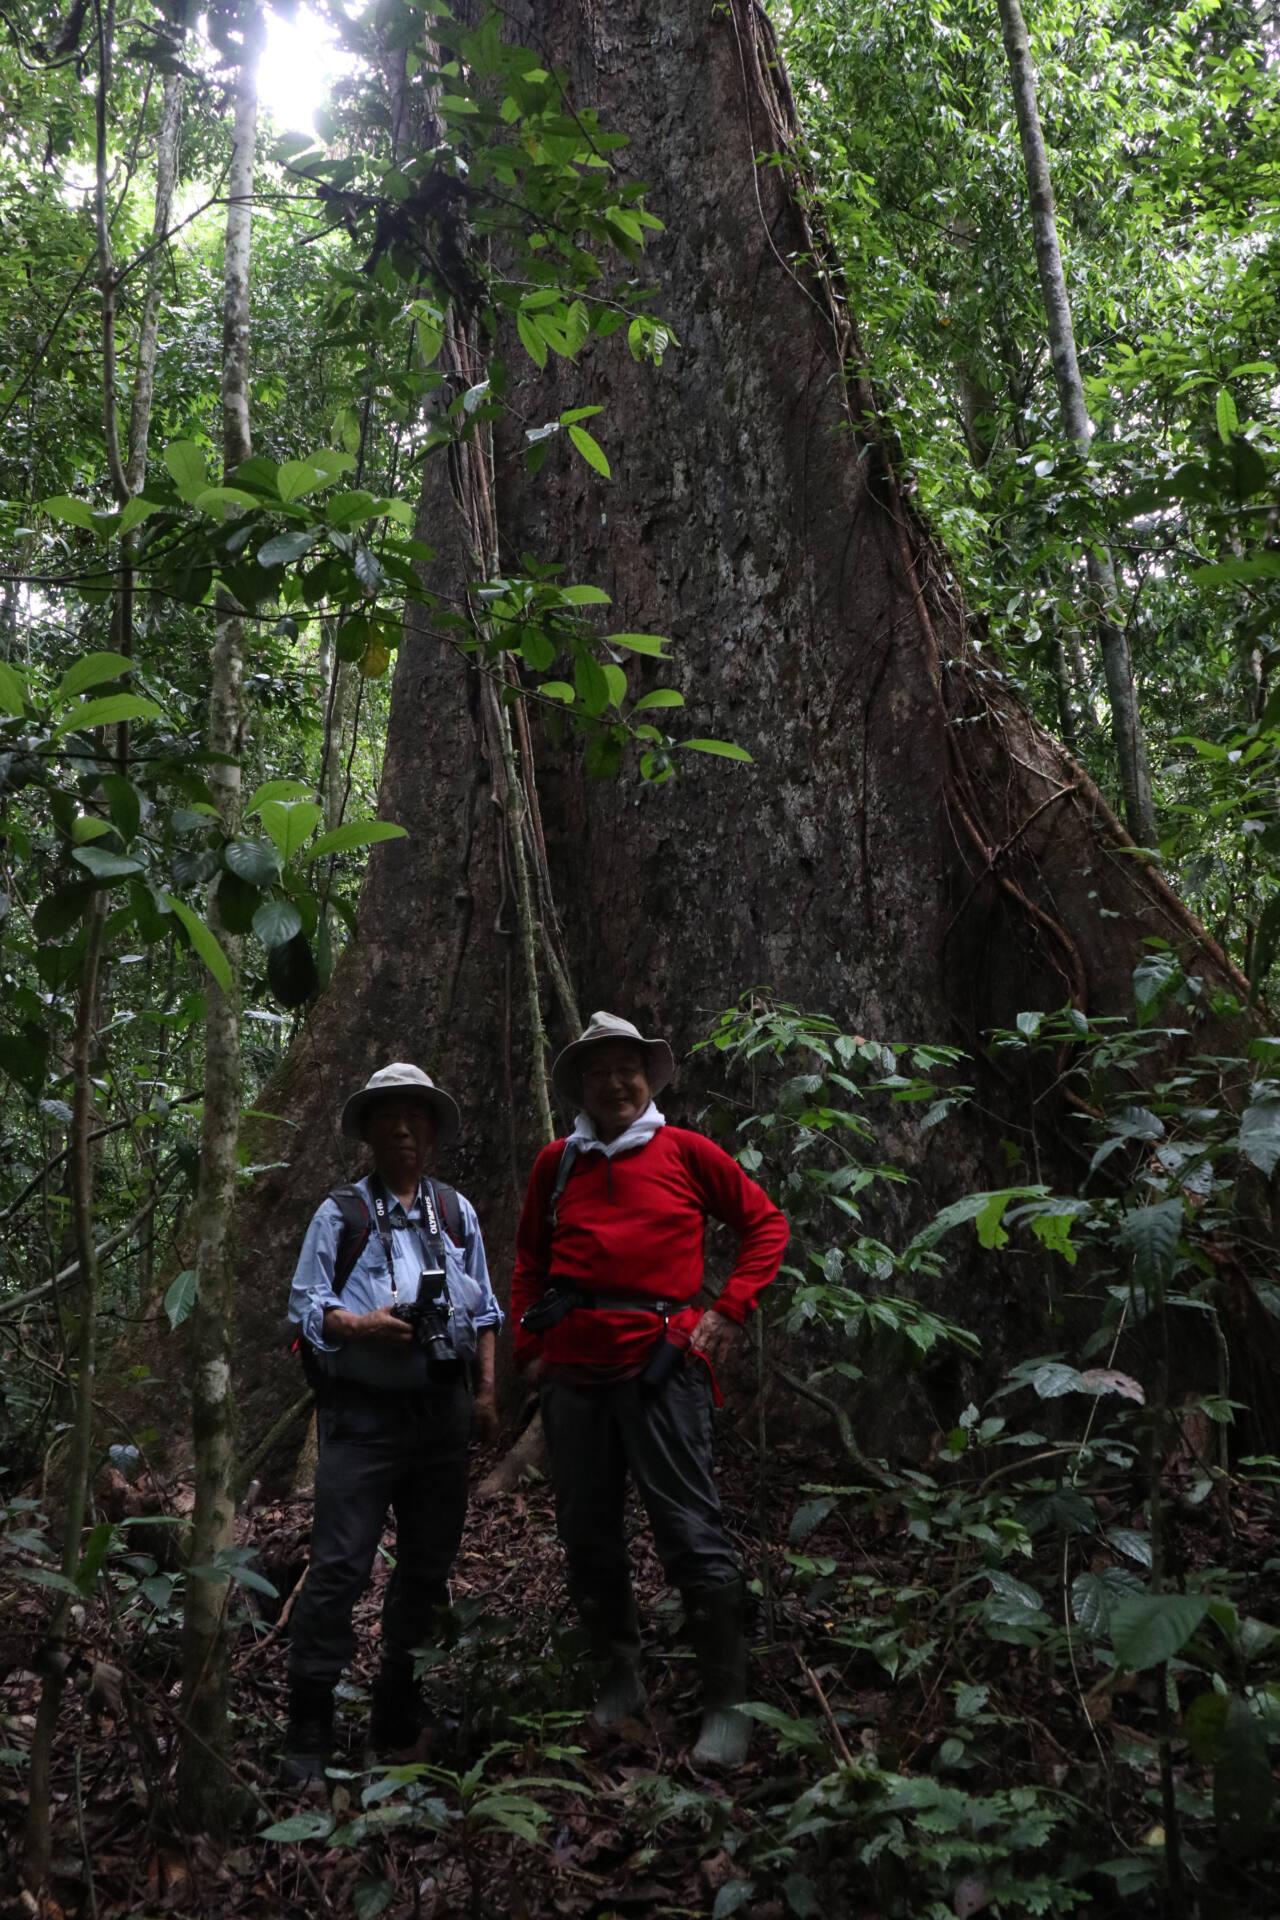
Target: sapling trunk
{"type": "Point", "coordinates": [53, 1661]}
{"type": "Point", "coordinates": [202, 1778]}
{"type": "Point", "coordinates": [1126, 722]}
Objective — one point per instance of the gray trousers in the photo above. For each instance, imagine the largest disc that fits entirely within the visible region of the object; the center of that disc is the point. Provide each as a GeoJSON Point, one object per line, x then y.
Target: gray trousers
{"type": "Point", "coordinates": [661, 1436]}
{"type": "Point", "coordinates": [403, 1452]}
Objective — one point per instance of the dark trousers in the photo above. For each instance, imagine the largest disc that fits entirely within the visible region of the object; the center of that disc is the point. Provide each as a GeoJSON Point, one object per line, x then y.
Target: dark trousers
{"type": "Point", "coordinates": [406, 1452]}
{"type": "Point", "coordinates": [661, 1436]}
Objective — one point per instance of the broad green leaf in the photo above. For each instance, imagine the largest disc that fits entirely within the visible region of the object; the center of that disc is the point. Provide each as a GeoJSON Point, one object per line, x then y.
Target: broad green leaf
{"type": "Point", "coordinates": [1228, 418]}
{"type": "Point", "coordinates": [254, 861]}
{"type": "Point", "coordinates": [651, 643]}
{"type": "Point", "coordinates": [296, 478]}
{"type": "Point", "coordinates": [135, 512]}
{"type": "Point", "coordinates": [216, 500]}
{"type": "Point", "coordinates": [87, 827]}
{"type": "Point", "coordinates": [202, 940]}
{"type": "Point", "coordinates": [58, 912]}
{"type": "Point", "coordinates": [93, 671]}
{"type": "Point", "coordinates": [531, 340]}
{"type": "Point", "coordinates": [591, 450]}
{"type": "Point", "coordinates": [107, 866]}
{"type": "Point", "coordinates": [1152, 1234]}
{"type": "Point", "coordinates": [351, 509]}
{"type": "Point", "coordinates": [278, 790]}
{"type": "Point", "coordinates": [290, 824]}
{"type": "Point", "coordinates": [284, 548]}
{"type": "Point", "coordinates": [300, 1826]}
{"type": "Point", "coordinates": [586, 596]}
{"type": "Point", "coordinates": [578, 413]}
{"type": "Point", "coordinates": [186, 463]}
{"type": "Point", "coordinates": [1055, 1378]}
{"type": "Point", "coordinates": [109, 711]}
{"type": "Point", "coordinates": [1095, 1595]}
{"type": "Point", "coordinates": [291, 971]}
{"type": "Point", "coordinates": [13, 690]}
{"type": "Point", "coordinates": [660, 697]}
{"type": "Point", "coordinates": [723, 749]}
{"type": "Point", "coordinates": [558, 690]}
{"type": "Point", "coordinates": [372, 1897]}
{"type": "Point", "coordinates": [354, 833]}
{"type": "Point", "coordinates": [1244, 1789]}
{"type": "Point", "coordinates": [75, 513]}
{"type": "Point", "coordinates": [808, 1517]}
{"type": "Point", "coordinates": [617, 681]}
{"type": "Point", "coordinates": [276, 921]}
{"type": "Point", "coordinates": [1149, 1628]}
{"type": "Point", "coordinates": [330, 462]}
{"type": "Point", "coordinates": [180, 1298]}
{"type": "Point", "coordinates": [589, 679]}
{"type": "Point", "coordinates": [1259, 1137]}
{"type": "Point", "coordinates": [1203, 1723]}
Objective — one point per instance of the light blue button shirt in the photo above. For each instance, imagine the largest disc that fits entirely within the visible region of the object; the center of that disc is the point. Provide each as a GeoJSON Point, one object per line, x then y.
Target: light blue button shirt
{"type": "Point", "coordinates": [369, 1286]}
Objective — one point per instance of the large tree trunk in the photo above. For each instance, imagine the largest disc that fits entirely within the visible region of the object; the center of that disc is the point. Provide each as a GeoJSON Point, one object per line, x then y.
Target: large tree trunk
{"type": "Point", "coordinates": [910, 852]}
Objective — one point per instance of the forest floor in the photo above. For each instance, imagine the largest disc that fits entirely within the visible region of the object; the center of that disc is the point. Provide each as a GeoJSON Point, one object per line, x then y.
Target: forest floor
{"type": "Point", "coordinates": [911, 1761]}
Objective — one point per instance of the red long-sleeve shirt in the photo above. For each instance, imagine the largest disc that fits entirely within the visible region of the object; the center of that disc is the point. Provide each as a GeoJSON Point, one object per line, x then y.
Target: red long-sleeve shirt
{"type": "Point", "coordinates": [633, 1224]}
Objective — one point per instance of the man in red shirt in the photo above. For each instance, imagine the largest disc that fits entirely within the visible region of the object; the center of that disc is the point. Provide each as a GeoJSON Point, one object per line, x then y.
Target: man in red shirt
{"type": "Point", "coordinates": [609, 1258]}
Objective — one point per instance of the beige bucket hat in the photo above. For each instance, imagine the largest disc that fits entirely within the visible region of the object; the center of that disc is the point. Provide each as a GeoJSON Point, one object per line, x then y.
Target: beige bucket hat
{"type": "Point", "coordinates": [401, 1078]}
{"type": "Point", "coordinates": [566, 1074]}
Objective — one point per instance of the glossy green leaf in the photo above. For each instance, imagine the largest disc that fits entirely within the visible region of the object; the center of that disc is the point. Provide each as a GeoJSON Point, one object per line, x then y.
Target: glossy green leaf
{"type": "Point", "coordinates": [180, 1298]}
{"type": "Point", "coordinates": [186, 463]}
{"type": "Point", "coordinates": [13, 690]}
{"type": "Point", "coordinates": [106, 866]}
{"type": "Point", "coordinates": [94, 670]}
{"type": "Point", "coordinates": [591, 450]}
{"type": "Point", "coordinates": [253, 861]}
{"type": "Point", "coordinates": [1149, 1628]}
{"type": "Point", "coordinates": [109, 711]}
{"type": "Point", "coordinates": [725, 749]}
{"type": "Point", "coordinates": [202, 940]}
{"type": "Point", "coordinates": [296, 478]}
{"type": "Point", "coordinates": [290, 824]}
{"type": "Point", "coordinates": [276, 921]}
{"type": "Point", "coordinates": [74, 513]}
{"type": "Point", "coordinates": [354, 833]}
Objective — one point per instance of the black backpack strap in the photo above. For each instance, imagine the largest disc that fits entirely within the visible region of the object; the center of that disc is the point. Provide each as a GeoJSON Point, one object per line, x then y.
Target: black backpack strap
{"type": "Point", "coordinates": [356, 1226]}
{"type": "Point", "coordinates": [449, 1208]}
{"type": "Point", "coordinates": [563, 1170]}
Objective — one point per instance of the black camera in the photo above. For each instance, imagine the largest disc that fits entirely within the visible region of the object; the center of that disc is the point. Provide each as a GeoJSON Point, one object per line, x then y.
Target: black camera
{"type": "Point", "coordinates": [428, 1320]}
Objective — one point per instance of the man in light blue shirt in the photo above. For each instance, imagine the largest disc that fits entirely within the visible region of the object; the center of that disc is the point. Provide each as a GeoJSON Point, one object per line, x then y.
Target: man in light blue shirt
{"type": "Point", "coordinates": [399, 1325]}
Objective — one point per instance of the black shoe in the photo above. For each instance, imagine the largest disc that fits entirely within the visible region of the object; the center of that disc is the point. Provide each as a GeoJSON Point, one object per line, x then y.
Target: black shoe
{"type": "Point", "coordinates": [613, 1628]}
{"type": "Point", "coordinates": [714, 1617]}
{"type": "Point", "coordinates": [308, 1740]}
{"type": "Point", "coordinates": [398, 1714]}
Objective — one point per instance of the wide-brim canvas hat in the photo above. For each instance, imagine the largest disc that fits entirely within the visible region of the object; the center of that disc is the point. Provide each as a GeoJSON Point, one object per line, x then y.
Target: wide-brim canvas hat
{"type": "Point", "coordinates": [566, 1074]}
{"type": "Point", "coordinates": [400, 1080]}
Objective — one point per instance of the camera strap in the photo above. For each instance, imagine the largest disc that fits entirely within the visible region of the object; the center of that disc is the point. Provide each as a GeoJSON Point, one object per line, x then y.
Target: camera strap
{"type": "Point", "coordinates": [427, 1227]}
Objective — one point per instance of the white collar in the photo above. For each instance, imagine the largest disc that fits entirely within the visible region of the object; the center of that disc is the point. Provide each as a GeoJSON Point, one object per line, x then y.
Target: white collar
{"type": "Point", "coordinates": [585, 1139]}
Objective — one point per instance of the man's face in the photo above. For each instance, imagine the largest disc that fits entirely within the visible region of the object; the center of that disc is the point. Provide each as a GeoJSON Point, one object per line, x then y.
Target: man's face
{"type": "Point", "coordinates": [615, 1086]}
{"type": "Point", "coordinates": [401, 1133]}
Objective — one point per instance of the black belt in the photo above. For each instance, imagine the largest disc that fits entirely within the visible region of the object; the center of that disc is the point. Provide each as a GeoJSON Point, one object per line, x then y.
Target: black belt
{"type": "Point", "coordinates": [625, 1302]}
{"type": "Point", "coordinates": [630, 1303]}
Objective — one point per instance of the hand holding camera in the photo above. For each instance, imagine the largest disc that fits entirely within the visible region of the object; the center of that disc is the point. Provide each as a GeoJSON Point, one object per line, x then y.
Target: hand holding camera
{"type": "Point", "coordinates": [427, 1320]}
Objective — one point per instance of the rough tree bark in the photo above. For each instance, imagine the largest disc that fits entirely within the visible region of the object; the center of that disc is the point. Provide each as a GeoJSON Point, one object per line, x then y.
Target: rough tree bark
{"type": "Point", "coordinates": [1126, 721]}
{"type": "Point", "coordinates": [910, 852]}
